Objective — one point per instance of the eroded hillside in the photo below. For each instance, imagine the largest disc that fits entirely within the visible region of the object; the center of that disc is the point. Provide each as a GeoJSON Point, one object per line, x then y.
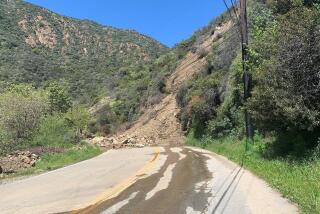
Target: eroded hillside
{"type": "Point", "coordinates": [159, 124]}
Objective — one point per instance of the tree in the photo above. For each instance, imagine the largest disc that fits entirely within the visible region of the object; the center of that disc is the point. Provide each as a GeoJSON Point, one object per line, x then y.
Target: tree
{"type": "Point", "coordinates": [286, 68]}
{"type": "Point", "coordinates": [299, 59]}
{"type": "Point", "coordinates": [79, 118]}
{"type": "Point", "coordinates": [59, 99]}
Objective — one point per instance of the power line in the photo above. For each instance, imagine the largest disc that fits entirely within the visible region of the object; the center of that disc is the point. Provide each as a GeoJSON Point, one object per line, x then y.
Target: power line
{"type": "Point", "coordinates": [247, 82]}
{"type": "Point", "coordinates": [228, 9]}
{"type": "Point", "coordinates": [230, 35]}
{"type": "Point", "coordinates": [233, 4]}
{"type": "Point", "coordinates": [233, 10]}
{"type": "Point", "coordinates": [226, 36]}
{"type": "Point", "coordinates": [236, 19]}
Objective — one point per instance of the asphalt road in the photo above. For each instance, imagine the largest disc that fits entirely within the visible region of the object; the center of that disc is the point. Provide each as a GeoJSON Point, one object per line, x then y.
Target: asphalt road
{"type": "Point", "coordinates": [148, 180]}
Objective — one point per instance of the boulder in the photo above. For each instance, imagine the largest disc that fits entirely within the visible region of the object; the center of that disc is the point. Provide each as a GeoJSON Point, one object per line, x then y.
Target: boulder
{"type": "Point", "coordinates": [110, 140]}
{"type": "Point", "coordinates": [10, 171]}
{"type": "Point", "coordinates": [129, 140]}
{"type": "Point", "coordinates": [138, 145]}
{"type": "Point", "coordinates": [116, 146]}
{"type": "Point", "coordinates": [32, 163]}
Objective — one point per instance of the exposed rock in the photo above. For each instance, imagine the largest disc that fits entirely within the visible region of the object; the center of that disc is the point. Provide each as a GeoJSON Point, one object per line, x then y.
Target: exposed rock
{"type": "Point", "coordinates": [17, 161]}
{"type": "Point", "coordinates": [96, 140]}
{"type": "Point", "coordinates": [121, 142]}
{"type": "Point", "coordinates": [110, 140]}
{"type": "Point", "coordinates": [31, 41]}
{"type": "Point", "coordinates": [23, 25]}
{"type": "Point", "coordinates": [130, 140]}
{"type": "Point", "coordinates": [116, 146]}
{"type": "Point", "coordinates": [33, 163]}
{"type": "Point", "coordinates": [136, 145]}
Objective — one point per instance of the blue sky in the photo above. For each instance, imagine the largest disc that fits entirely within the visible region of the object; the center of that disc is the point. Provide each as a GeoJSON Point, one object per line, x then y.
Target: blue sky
{"type": "Point", "coordinates": [168, 21]}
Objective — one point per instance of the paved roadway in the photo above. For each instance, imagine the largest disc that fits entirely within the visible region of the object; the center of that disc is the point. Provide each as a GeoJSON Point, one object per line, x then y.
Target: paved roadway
{"type": "Point", "coordinates": [148, 180]}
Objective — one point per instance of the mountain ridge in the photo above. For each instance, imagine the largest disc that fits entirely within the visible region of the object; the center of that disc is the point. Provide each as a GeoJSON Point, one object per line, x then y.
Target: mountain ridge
{"type": "Point", "coordinates": [38, 45]}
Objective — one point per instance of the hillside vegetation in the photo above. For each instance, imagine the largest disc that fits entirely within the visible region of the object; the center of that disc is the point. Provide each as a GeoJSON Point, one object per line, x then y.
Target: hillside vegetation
{"type": "Point", "coordinates": [63, 80]}
{"type": "Point", "coordinates": [89, 61]}
{"type": "Point", "coordinates": [284, 65]}
{"type": "Point", "coordinates": [38, 46]}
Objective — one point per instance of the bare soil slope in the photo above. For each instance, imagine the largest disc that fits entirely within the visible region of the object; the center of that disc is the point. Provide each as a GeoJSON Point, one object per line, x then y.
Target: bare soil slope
{"type": "Point", "coordinates": [159, 125]}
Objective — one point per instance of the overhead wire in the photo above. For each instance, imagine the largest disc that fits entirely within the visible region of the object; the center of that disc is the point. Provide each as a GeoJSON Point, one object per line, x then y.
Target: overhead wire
{"type": "Point", "coordinates": [236, 20]}
{"type": "Point", "coordinates": [238, 30]}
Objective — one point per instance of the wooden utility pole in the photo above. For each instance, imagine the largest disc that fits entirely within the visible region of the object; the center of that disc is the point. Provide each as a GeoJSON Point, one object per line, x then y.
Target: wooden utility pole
{"type": "Point", "coordinates": [245, 58]}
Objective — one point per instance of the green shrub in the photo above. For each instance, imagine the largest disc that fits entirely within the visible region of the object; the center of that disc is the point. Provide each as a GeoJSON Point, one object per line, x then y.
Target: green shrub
{"type": "Point", "coordinates": [78, 117]}
{"type": "Point", "coordinates": [201, 113]}
{"type": "Point", "coordinates": [280, 6]}
{"type": "Point", "coordinates": [54, 131]}
{"type": "Point", "coordinates": [93, 126]}
{"type": "Point", "coordinates": [185, 120]}
{"type": "Point", "coordinates": [219, 127]}
{"type": "Point", "coordinates": [59, 100]}
{"type": "Point", "coordinates": [6, 144]}
{"type": "Point", "coordinates": [105, 120]}
{"type": "Point", "coordinates": [181, 96]}
{"type": "Point", "coordinates": [284, 99]}
{"type": "Point", "coordinates": [21, 109]}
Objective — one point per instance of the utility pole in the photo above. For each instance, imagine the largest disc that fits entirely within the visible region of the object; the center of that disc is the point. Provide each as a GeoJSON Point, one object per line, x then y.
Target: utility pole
{"type": "Point", "coordinates": [245, 58]}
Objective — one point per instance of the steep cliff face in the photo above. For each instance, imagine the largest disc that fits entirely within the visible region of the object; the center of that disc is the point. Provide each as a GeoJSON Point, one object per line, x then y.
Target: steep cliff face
{"type": "Point", "coordinates": [37, 45]}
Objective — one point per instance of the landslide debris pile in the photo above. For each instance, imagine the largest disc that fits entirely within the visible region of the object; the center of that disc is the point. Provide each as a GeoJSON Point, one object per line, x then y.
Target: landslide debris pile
{"type": "Point", "coordinates": [16, 161]}
{"type": "Point", "coordinates": [159, 125]}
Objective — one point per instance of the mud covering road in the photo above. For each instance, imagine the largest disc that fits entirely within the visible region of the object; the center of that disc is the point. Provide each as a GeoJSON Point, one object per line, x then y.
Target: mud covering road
{"type": "Point", "coordinates": [149, 180]}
